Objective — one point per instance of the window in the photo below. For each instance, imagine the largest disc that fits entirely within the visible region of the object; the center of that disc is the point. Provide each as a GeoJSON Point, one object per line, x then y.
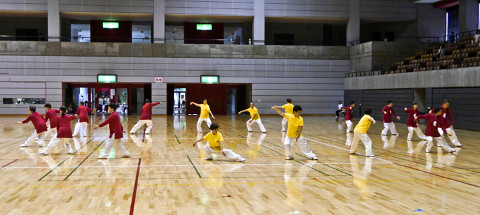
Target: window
{"type": "Point", "coordinates": [23, 100]}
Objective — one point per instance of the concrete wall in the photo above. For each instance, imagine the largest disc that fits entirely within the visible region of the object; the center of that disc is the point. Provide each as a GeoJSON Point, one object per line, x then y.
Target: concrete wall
{"type": "Point", "coordinates": [107, 6]}
{"type": "Point", "coordinates": [462, 77]}
{"type": "Point", "coordinates": [391, 10]}
{"type": "Point", "coordinates": [307, 8]}
{"type": "Point", "coordinates": [210, 7]}
{"type": "Point", "coordinates": [431, 21]}
{"type": "Point", "coordinates": [23, 5]}
{"type": "Point", "coordinates": [373, 55]}
{"type": "Point", "coordinates": [405, 31]}
{"type": "Point", "coordinates": [274, 71]}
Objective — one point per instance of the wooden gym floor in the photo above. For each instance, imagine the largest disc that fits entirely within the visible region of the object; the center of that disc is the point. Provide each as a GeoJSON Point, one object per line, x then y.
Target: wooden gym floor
{"type": "Point", "coordinates": [167, 175]}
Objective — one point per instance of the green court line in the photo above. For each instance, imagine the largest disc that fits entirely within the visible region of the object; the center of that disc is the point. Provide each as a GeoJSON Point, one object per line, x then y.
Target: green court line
{"type": "Point", "coordinates": [338, 170]}
{"type": "Point", "coordinates": [84, 160]}
{"type": "Point", "coordinates": [177, 139]}
{"type": "Point", "coordinates": [200, 176]}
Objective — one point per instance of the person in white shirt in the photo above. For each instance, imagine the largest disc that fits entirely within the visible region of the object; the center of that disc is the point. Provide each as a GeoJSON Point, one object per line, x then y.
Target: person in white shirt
{"type": "Point", "coordinates": [339, 109]}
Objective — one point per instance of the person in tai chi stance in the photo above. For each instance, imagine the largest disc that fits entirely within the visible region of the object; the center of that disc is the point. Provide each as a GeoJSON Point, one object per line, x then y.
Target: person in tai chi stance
{"type": "Point", "coordinates": [288, 109]}
{"type": "Point", "coordinates": [215, 144]}
{"type": "Point", "coordinates": [255, 118]}
{"type": "Point", "coordinates": [146, 117]}
{"type": "Point", "coordinates": [413, 124]}
{"type": "Point", "coordinates": [116, 133]}
{"type": "Point", "coordinates": [204, 114]}
{"type": "Point", "coordinates": [294, 132]}
{"type": "Point", "coordinates": [387, 119]}
{"type": "Point", "coordinates": [360, 133]}
{"type": "Point", "coordinates": [40, 127]}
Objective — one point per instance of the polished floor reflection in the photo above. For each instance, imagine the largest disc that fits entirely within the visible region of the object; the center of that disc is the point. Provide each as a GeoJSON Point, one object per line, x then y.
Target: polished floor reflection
{"type": "Point", "coordinates": [167, 175]}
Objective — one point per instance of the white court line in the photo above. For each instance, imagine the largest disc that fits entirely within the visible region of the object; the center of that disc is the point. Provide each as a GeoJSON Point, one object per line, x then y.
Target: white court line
{"type": "Point", "coordinates": [181, 165]}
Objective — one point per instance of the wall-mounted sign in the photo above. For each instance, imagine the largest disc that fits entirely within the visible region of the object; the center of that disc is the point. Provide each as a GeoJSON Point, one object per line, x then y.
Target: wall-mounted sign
{"type": "Point", "coordinates": [209, 79]}
{"type": "Point", "coordinates": [107, 78]}
{"type": "Point", "coordinates": [110, 25]}
{"type": "Point", "coordinates": [158, 80]}
{"type": "Point", "coordinates": [204, 27]}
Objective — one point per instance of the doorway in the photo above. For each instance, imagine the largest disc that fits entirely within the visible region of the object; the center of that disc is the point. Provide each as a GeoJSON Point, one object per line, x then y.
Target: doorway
{"type": "Point", "coordinates": [222, 98]}
{"type": "Point", "coordinates": [129, 97]}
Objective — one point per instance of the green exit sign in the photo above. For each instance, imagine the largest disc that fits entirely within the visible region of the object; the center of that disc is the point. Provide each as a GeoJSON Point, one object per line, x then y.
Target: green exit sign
{"type": "Point", "coordinates": [209, 79]}
{"type": "Point", "coordinates": [107, 78]}
{"type": "Point", "coordinates": [110, 25]}
{"type": "Point", "coordinates": [204, 27]}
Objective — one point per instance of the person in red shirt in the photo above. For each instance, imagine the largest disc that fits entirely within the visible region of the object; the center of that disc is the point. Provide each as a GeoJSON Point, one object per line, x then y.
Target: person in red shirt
{"type": "Point", "coordinates": [40, 127]}
{"type": "Point", "coordinates": [145, 118]}
{"type": "Point", "coordinates": [116, 133]}
{"type": "Point", "coordinates": [446, 122]}
{"type": "Point", "coordinates": [387, 119]}
{"type": "Point", "coordinates": [432, 130]}
{"type": "Point", "coordinates": [64, 132]}
{"type": "Point", "coordinates": [412, 124]}
{"type": "Point", "coordinates": [82, 125]}
{"type": "Point", "coordinates": [51, 115]}
{"type": "Point", "coordinates": [349, 116]}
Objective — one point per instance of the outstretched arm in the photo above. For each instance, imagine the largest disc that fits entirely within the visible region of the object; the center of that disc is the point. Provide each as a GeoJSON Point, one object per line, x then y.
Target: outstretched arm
{"type": "Point", "coordinates": [209, 111]}
{"type": "Point", "coordinates": [243, 111]}
{"type": "Point", "coordinates": [373, 120]}
{"type": "Point", "coordinates": [193, 103]}
{"type": "Point", "coordinates": [195, 143]}
{"type": "Point", "coordinates": [278, 111]}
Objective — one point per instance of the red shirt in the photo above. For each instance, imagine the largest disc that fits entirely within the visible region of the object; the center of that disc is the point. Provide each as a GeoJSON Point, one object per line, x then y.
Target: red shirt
{"type": "Point", "coordinates": [52, 116]}
{"type": "Point", "coordinates": [82, 113]}
{"type": "Point", "coordinates": [432, 125]}
{"type": "Point", "coordinates": [115, 125]}
{"type": "Point", "coordinates": [349, 113]}
{"type": "Point", "coordinates": [147, 111]}
{"type": "Point", "coordinates": [64, 128]}
{"type": "Point", "coordinates": [446, 119]}
{"type": "Point", "coordinates": [412, 113]}
{"type": "Point", "coordinates": [387, 114]}
{"type": "Point", "coordinates": [38, 122]}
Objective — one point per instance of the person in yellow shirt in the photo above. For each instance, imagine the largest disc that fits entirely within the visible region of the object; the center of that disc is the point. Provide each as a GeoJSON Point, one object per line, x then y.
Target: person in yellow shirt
{"type": "Point", "coordinates": [204, 114]}
{"type": "Point", "coordinates": [255, 118]}
{"type": "Point", "coordinates": [360, 133]}
{"type": "Point", "coordinates": [294, 132]}
{"type": "Point", "coordinates": [288, 109]}
{"type": "Point", "coordinates": [215, 144]}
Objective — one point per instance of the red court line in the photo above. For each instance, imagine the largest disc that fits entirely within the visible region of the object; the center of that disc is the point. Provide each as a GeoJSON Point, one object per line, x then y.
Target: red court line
{"type": "Point", "coordinates": [9, 163]}
{"type": "Point", "coordinates": [132, 206]}
{"type": "Point", "coordinates": [441, 176]}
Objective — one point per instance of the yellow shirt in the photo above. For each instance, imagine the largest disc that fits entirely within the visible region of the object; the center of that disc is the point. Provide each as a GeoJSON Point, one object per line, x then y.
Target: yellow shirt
{"type": "Point", "coordinates": [364, 124]}
{"type": "Point", "coordinates": [214, 140]}
{"type": "Point", "coordinates": [293, 124]}
{"type": "Point", "coordinates": [288, 108]}
{"type": "Point", "coordinates": [252, 112]}
{"type": "Point", "coordinates": [204, 111]}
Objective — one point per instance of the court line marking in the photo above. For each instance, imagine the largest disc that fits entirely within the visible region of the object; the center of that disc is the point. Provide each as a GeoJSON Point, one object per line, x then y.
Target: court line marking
{"type": "Point", "coordinates": [12, 162]}
{"type": "Point", "coordinates": [177, 139]}
{"type": "Point", "coordinates": [200, 176]}
{"type": "Point", "coordinates": [84, 160]}
{"type": "Point", "coordinates": [134, 195]}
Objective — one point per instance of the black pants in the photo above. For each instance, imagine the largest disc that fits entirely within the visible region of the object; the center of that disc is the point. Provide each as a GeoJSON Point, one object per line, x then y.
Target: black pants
{"type": "Point", "coordinates": [338, 112]}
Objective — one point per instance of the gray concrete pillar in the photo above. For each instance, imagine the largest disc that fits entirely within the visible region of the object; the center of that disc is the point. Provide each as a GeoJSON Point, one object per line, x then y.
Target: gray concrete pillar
{"type": "Point", "coordinates": [419, 97]}
{"type": "Point", "coordinates": [259, 22]}
{"type": "Point", "coordinates": [53, 20]}
{"type": "Point", "coordinates": [353, 27]}
{"type": "Point", "coordinates": [468, 15]}
{"type": "Point", "coordinates": [159, 21]}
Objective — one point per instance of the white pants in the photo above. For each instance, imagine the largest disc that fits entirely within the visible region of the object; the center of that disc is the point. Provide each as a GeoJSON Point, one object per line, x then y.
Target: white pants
{"type": "Point", "coordinates": [284, 124]}
{"type": "Point", "coordinates": [349, 140]}
{"type": "Point", "coordinates": [302, 145]}
{"type": "Point", "coordinates": [228, 153]}
{"type": "Point", "coordinates": [365, 140]}
{"type": "Point", "coordinates": [33, 137]}
{"type": "Point", "coordinates": [118, 144]}
{"type": "Point", "coordinates": [54, 142]}
{"type": "Point", "coordinates": [349, 125]}
{"type": "Point", "coordinates": [389, 143]}
{"type": "Point", "coordinates": [452, 138]}
{"type": "Point", "coordinates": [140, 123]}
{"type": "Point", "coordinates": [258, 121]}
{"type": "Point", "coordinates": [199, 123]}
{"type": "Point", "coordinates": [390, 126]}
{"type": "Point", "coordinates": [417, 130]}
{"type": "Point", "coordinates": [80, 129]}
{"type": "Point", "coordinates": [440, 142]}
{"type": "Point", "coordinates": [51, 132]}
